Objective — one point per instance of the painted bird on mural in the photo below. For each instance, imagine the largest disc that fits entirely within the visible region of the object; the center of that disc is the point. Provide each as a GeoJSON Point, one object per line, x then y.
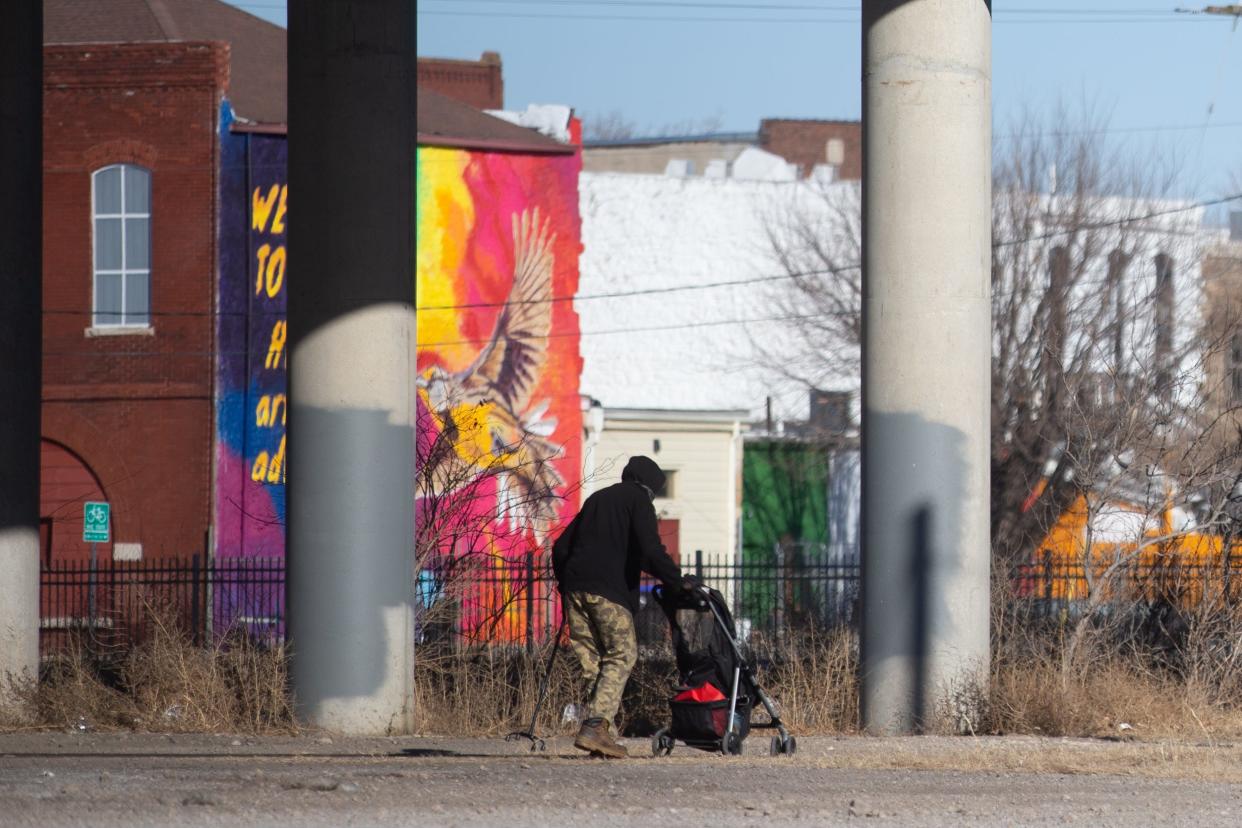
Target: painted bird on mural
{"type": "Point", "coordinates": [486, 422]}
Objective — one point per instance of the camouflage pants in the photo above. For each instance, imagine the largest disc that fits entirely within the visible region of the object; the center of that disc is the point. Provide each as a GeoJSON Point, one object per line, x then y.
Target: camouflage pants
{"type": "Point", "coordinates": [601, 634]}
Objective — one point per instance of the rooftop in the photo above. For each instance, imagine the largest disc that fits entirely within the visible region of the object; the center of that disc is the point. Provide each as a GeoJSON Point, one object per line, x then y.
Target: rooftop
{"type": "Point", "coordinates": [704, 138]}
{"type": "Point", "coordinates": [258, 87]}
{"type": "Point", "coordinates": [444, 122]}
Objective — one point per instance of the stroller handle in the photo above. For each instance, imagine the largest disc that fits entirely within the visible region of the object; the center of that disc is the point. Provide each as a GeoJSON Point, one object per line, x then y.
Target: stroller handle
{"type": "Point", "coordinates": [699, 594]}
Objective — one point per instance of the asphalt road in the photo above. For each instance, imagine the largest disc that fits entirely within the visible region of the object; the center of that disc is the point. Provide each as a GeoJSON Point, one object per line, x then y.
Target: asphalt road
{"type": "Point", "coordinates": [58, 779]}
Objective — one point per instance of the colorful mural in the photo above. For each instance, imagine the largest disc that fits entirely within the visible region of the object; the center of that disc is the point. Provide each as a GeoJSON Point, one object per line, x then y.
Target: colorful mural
{"type": "Point", "coordinates": [251, 408]}
{"type": "Point", "coordinates": [500, 421]}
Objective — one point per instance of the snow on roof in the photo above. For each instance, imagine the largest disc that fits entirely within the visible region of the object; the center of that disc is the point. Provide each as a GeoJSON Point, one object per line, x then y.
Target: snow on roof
{"type": "Point", "coordinates": [551, 120]}
{"type": "Point", "coordinates": [691, 349]}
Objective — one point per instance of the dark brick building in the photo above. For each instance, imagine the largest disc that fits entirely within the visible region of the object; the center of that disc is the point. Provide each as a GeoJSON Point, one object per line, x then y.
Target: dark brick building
{"type": "Point", "coordinates": [475, 82]}
{"type": "Point", "coordinates": [134, 93]}
{"type": "Point", "coordinates": [811, 142]}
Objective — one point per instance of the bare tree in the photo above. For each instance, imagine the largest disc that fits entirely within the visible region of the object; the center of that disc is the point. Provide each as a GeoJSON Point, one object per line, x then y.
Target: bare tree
{"type": "Point", "coordinates": [615, 126]}
{"type": "Point", "coordinates": [1097, 361]}
{"type": "Point", "coordinates": [610, 126]}
{"type": "Point", "coordinates": [481, 542]}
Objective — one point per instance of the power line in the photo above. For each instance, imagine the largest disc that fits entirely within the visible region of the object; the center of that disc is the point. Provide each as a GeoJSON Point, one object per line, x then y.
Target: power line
{"type": "Point", "coordinates": [646, 328]}
{"type": "Point", "coordinates": [647, 291]}
{"type": "Point", "coordinates": [621, 149]}
{"type": "Point", "coordinates": [825, 271]}
{"type": "Point", "coordinates": [644, 18]}
{"type": "Point", "coordinates": [685, 4]}
{"type": "Point", "coordinates": [704, 285]}
{"type": "Point", "coordinates": [1103, 225]}
{"type": "Point", "coordinates": [1062, 133]}
{"type": "Point", "coordinates": [820, 7]}
{"type": "Point", "coordinates": [796, 20]}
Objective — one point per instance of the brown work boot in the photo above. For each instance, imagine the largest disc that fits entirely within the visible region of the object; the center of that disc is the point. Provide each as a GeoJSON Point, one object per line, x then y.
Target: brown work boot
{"type": "Point", "coordinates": [593, 736]}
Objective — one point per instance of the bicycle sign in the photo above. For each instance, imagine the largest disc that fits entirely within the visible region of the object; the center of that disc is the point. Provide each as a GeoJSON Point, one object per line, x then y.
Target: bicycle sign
{"type": "Point", "coordinates": [96, 522]}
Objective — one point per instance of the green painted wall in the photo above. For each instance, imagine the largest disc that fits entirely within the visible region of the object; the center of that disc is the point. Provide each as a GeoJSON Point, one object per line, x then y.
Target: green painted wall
{"type": "Point", "coordinates": [784, 499]}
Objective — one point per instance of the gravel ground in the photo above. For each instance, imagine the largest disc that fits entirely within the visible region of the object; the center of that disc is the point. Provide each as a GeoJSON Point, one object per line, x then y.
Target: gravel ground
{"type": "Point", "coordinates": [80, 779]}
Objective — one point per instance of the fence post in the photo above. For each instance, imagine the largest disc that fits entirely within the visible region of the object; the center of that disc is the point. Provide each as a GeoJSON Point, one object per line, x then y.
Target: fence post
{"type": "Point", "coordinates": [698, 564]}
{"type": "Point", "coordinates": [1227, 547]}
{"type": "Point", "coordinates": [194, 606]}
{"type": "Point", "coordinates": [530, 600]}
{"type": "Point", "coordinates": [1048, 583]}
{"type": "Point", "coordinates": [90, 592]}
{"type": "Point", "coordinates": [780, 591]}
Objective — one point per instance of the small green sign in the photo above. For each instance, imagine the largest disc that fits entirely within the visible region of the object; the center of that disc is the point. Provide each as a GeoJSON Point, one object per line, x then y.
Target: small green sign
{"type": "Point", "coordinates": [95, 522]}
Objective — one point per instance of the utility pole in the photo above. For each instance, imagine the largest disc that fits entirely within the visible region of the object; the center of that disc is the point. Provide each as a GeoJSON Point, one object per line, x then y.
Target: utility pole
{"type": "Point", "coordinates": [21, 337]}
{"type": "Point", "coordinates": [352, 363]}
{"type": "Point", "coordinates": [926, 356]}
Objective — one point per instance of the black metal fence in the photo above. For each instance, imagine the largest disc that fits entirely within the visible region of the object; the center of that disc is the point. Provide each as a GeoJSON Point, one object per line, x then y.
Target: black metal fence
{"type": "Point", "coordinates": [493, 602]}
{"type": "Point", "coordinates": [113, 605]}
{"type": "Point", "coordinates": [502, 602]}
{"type": "Point", "coordinates": [515, 603]}
{"type": "Point", "coordinates": [1055, 587]}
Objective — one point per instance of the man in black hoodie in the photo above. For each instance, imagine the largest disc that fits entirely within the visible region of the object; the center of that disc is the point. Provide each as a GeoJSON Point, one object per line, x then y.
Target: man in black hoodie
{"type": "Point", "coordinates": [598, 561]}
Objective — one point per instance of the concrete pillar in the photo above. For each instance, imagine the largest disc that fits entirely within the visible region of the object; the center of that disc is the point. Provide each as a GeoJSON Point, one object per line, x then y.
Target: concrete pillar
{"type": "Point", "coordinates": [926, 352]}
{"type": "Point", "coordinates": [352, 362]}
{"type": "Point", "coordinates": [21, 337]}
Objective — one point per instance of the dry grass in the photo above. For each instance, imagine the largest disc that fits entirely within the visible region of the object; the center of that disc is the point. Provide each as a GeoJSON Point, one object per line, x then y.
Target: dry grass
{"type": "Point", "coordinates": [1176, 679]}
{"type": "Point", "coordinates": [1182, 683]}
{"type": "Point", "coordinates": [166, 684]}
{"type": "Point", "coordinates": [814, 679]}
{"type": "Point", "coordinates": [1116, 684]}
{"type": "Point", "coordinates": [490, 691]}
{"type": "Point", "coordinates": [485, 693]}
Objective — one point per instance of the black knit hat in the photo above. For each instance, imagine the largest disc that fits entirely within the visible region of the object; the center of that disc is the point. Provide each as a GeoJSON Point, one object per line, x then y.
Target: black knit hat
{"type": "Point", "coordinates": [644, 470]}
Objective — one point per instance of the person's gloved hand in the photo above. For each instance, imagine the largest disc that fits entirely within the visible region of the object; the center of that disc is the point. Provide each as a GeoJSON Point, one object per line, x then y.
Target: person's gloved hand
{"type": "Point", "coordinates": [691, 583]}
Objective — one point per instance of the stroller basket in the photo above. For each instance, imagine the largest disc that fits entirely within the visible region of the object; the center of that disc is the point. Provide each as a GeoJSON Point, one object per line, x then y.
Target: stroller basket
{"type": "Point", "coordinates": [707, 722]}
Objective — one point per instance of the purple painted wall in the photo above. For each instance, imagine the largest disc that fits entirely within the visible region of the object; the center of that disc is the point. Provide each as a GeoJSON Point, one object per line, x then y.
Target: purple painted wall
{"type": "Point", "coordinates": [249, 516]}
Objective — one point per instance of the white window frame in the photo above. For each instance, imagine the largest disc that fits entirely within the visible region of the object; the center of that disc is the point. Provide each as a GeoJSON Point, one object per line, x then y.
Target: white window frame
{"type": "Point", "coordinates": [104, 327]}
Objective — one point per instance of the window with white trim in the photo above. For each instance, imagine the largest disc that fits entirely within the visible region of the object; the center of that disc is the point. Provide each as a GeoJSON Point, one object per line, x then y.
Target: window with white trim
{"type": "Point", "coordinates": [121, 235]}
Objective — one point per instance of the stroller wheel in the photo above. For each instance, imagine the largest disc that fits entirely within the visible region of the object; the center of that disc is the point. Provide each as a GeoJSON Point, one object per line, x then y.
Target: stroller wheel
{"type": "Point", "coordinates": [786, 746]}
{"type": "Point", "coordinates": [733, 744]}
{"type": "Point", "coordinates": [662, 743]}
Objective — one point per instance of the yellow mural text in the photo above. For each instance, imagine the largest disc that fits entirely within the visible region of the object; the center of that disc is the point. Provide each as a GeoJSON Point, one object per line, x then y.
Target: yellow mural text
{"type": "Point", "coordinates": [261, 209]}
{"type": "Point", "coordinates": [270, 469]}
{"type": "Point", "coordinates": [270, 406]}
{"type": "Point", "coordinates": [277, 348]}
{"type": "Point", "coordinates": [270, 274]}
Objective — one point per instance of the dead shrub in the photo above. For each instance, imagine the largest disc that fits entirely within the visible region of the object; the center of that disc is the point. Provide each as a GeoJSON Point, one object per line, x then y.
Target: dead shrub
{"type": "Point", "coordinates": [74, 690]}
{"type": "Point", "coordinates": [487, 691]}
{"type": "Point", "coordinates": [481, 691]}
{"type": "Point", "coordinates": [165, 684]}
{"type": "Point", "coordinates": [1134, 672]}
{"type": "Point", "coordinates": [813, 677]}
{"type": "Point", "coordinates": [238, 684]}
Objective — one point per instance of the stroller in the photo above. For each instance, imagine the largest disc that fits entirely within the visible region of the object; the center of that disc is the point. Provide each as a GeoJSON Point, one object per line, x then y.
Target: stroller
{"type": "Point", "coordinates": [710, 664]}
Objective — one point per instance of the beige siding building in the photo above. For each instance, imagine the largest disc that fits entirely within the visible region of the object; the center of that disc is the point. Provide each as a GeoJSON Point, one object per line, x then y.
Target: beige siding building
{"type": "Point", "coordinates": [700, 451]}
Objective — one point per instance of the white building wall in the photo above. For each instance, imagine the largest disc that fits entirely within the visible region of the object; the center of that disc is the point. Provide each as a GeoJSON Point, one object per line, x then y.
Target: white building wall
{"type": "Point", "coordinates": [704, 458]}
{"type": "Point", "coordinates": [687, 349]}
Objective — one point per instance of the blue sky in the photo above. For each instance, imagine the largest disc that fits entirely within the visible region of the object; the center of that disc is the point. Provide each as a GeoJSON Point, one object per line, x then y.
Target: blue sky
{"type": "Point", "coordinates": [1152, 73]}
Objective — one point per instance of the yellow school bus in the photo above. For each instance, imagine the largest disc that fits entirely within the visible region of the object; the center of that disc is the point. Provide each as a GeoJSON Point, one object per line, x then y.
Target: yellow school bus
{"type": "Point", "coordinates": [1132, 555]}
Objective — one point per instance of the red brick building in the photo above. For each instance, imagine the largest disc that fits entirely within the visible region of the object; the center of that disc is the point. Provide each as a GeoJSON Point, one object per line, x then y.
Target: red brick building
{"type": "Point", "coordinates": [475, 82]}
{"type": "Point", "coordinates": [808, 142]}
{"type": "Point", "coordinates": [133, 95]}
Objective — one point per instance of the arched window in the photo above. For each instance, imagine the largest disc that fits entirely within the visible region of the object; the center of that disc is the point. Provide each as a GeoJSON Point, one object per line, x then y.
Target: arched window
{"type": "Point", "coordinates": [121, 231]}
